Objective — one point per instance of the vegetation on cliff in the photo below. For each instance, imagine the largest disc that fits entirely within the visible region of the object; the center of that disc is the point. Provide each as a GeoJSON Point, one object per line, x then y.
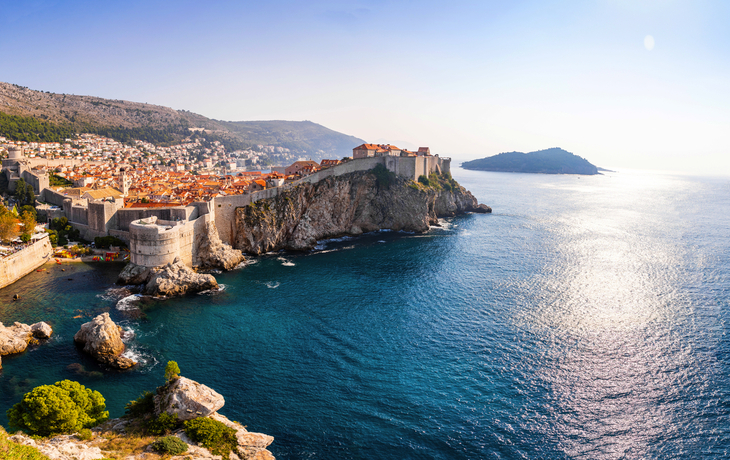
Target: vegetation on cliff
{"type": "Point", "coordinates": [348, 205]}
{"type": "Point", "coordinates": [37, 116]}
{"type": "Point", "coordinates": [64, 407]}
{"type": "Point", "coordinates": [549, 161]}
{"type": "Point", "coordinates": [10, 450]}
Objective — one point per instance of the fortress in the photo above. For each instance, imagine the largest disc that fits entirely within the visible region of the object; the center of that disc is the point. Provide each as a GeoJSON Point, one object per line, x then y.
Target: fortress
{"type": "Point", "coordinates": [157, 236]}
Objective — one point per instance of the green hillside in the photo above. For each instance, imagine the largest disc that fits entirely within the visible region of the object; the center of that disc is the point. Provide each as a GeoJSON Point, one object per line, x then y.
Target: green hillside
{"type": "Point", "coordinates": [549, 161]}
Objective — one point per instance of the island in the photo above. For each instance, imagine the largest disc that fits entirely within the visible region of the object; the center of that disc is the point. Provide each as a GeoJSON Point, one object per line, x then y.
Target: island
{"type": "Point", "coordinates": [550, 161]}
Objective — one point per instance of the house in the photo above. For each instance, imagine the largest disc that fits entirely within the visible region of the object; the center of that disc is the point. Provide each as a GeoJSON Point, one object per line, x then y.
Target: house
{"type": "Point", "coordinates": [328, 163]}
{"type": "Point", "coordinates": [102, 194]}
{"type": "Point", "coordinates": [302, 167]}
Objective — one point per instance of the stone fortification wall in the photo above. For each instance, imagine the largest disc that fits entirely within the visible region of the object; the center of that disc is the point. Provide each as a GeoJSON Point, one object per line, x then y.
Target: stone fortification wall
{"type": "Point", "coordinates": [224, 208]}
{"type": "Point", "coordinates": [38, 181]}
{"type": "Point", "coordinates": [17, 265]}
{"type": "Point", "coordinates": [126, 216]}
{"type": "Point", "coordinates": [53, 197]}
{"type": "Point", "coordinates": [79, 215]}
{"type": "Point", "coordinates": [154, 242]}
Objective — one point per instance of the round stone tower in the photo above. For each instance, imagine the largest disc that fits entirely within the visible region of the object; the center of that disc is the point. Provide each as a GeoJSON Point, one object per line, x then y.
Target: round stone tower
{"type": "Point", "coordinates": [15, 153]}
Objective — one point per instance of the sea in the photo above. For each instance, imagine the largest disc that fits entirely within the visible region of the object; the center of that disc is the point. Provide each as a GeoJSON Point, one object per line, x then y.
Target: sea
{"type": "Point", "coordinates": [585, 318]}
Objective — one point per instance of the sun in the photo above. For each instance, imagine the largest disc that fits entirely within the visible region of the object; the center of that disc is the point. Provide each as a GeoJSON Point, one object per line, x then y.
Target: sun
{"type": "Point", "coordinates": [649, 42]}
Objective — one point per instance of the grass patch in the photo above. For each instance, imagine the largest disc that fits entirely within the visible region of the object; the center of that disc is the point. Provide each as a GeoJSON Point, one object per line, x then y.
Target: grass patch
{"type": "Point", "coordinates": [10, 450]}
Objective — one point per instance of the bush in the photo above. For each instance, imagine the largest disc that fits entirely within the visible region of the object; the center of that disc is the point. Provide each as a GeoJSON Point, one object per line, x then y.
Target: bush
{"type": "Point", "coordinates": [141, 406]}
{"type": "Point", "coordinates": [63, 407]}
{"type": "Point", "coordinates": [84, 434]}
{"type": "Point", "coordinates": [106, 241]}
{"type": "Point", "coordinates": [162, 424]}
{"type": "Point", "coordinates": [383, 176]}
{"type": "Point", "coordinates": [170, 445]}
{"type": "Point", "coordinates": [213, 435]}
{"type": "Point", "coordinates": [424, 180]}
{"type": "Point", "coordinates": [172, 370]}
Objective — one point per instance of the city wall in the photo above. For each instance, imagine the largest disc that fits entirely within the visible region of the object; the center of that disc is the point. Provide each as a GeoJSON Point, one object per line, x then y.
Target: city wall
{"type": "Point", "coordinates": [158, 235]}
{"type": "Point", "coordinates": [16, 266]}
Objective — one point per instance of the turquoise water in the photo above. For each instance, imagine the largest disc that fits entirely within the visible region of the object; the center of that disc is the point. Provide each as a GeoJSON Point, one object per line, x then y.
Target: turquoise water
{"type": "Point", "coordinates": [585, 318]}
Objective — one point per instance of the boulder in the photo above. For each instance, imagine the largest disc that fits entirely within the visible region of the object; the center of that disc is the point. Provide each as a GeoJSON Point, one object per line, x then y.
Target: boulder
{"type": "Point", "coordinates": [133, 274]}
{"type": "Point", "coordinates": [188, 399]}
{"type": "Point", "coordinates": [41, 330]}
{"type": "Point", "coordinates": [251, 446]}
{"type": "Point", "coordinates": [14, 339]}
{"type": "Point", "coordinates": [101, 338]}
{"type": "Point", "coordinates": [176, 279]}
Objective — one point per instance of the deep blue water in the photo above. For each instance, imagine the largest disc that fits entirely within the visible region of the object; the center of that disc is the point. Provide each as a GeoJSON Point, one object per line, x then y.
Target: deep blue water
{"type": "Point", "coordinates": [587, 317]}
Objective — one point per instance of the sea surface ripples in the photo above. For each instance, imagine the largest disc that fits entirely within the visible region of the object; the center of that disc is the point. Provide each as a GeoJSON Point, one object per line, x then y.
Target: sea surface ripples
{"type": "Point", "coordinates": [585, 318]}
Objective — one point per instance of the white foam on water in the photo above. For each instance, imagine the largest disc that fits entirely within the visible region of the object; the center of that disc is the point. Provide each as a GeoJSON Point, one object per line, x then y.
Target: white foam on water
{"type": "Point", "coordinates": [272, 284]}
{"type": "Point", "coordinates": [221, 288]}
{"type": "Point", "coordinates": [285, 262]}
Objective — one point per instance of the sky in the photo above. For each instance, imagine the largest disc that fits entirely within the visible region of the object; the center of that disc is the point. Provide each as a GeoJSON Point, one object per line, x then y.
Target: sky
{"type": "Point", "coordinates": [622, 83]}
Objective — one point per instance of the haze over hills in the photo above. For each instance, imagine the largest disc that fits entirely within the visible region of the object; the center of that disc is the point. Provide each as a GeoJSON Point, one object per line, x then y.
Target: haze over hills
{"type": "Point", "coordinates": [125, 120]}
{"type": "Point", "coordinates": [550, 161]}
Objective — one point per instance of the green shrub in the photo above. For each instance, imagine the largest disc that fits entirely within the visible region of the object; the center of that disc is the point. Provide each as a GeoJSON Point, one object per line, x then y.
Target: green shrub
{"type": "Point", "coordinates": [170, 445]}
{"type": "Point", "coordinates": [63, 407]}
{"type": "Point", "coordinates": [84, 434]}
{"type": "Point", "coordinates": [162, 424]}
{"type": "Point", "coordinates": [106, 241]}
{"type": "Point", "coordinates": [424, 180]}
{"type": "Point", "coordinates": [141, 406]}
{"type": "Point", "coordinates": [384, 177]}
{"type": "Point", "coordinates": [213, 435]}
{"type": "Point", "coordinates": [172, 370]}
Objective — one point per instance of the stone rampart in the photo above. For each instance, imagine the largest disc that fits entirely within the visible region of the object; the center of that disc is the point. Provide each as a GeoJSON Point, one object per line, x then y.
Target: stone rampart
{"type": "Point", "coordinates": [154, 242]}
{"type": "Point", "coordinates": [16, 266]}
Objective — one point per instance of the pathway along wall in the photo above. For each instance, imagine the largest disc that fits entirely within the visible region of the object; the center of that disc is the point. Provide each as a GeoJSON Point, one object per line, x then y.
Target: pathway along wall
{"type": "Point", "coordinates": [16, 266]}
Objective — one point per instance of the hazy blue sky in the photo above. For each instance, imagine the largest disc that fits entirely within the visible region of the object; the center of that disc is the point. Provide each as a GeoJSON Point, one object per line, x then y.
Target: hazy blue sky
{"type": "Point", "coordinates": [468, 79]}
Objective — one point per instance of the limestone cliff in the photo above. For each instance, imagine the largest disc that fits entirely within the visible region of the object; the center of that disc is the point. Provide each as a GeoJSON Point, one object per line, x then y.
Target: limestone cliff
{"type": "Point", "coordinates": [348, 205]}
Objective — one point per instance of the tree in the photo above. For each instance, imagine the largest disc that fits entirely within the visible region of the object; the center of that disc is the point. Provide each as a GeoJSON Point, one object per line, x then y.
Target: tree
{"type": "Point", "coordinates": [8, 225]}
{"type": "Point", "coordinates": [29, 223]}
{"type": "Point", "coordinates": [64, 407]}
{"type": "Point", "coordinates": [172, 371]}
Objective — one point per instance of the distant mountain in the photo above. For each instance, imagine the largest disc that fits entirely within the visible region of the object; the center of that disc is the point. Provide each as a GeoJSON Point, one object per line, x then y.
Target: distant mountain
{"type": "Point", "coordinates": [30, 115]}
{"type": "Point", "coordinates": [550, 161]}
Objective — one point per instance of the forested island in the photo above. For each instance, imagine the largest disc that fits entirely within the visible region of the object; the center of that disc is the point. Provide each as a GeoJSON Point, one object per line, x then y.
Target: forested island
{"type": "Point", "coordinates": [549, 161]}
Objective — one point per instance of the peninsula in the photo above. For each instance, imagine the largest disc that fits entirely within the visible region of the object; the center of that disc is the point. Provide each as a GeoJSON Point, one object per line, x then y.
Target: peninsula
{"type": "Point", "coordinates": [550, 161]}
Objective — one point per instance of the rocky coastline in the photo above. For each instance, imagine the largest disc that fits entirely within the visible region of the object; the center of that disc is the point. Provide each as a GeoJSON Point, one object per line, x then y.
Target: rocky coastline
{"type": "Point", "coordinates": [350, 204]}
{"type": "Point", "coordinates": [16, 338]}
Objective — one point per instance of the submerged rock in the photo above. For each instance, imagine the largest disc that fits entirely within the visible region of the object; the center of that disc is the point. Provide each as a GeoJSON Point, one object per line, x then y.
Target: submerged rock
{"type": "Point", "coordinates": [101, 338]}
{"type": "Point", "coordinates": [187, 399]}
{"type": "Point", "coordinates": [176, 279]}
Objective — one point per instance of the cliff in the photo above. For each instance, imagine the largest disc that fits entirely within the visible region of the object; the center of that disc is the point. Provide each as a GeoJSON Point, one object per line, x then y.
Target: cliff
{"type": "Point", "coordinates": [349, 204]}
{"type": "Point", "coordinates": [549, 161]}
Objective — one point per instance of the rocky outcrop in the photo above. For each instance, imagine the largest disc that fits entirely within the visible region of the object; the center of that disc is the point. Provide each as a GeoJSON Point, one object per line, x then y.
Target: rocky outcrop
{"type": "Point", "coordinates": [63, 447]}
{"type": "Point", "coordinates": [211, 252]}
{"type": "Point", "coordinates": [187, 399]}
{"type": "Point", "coordinates": [15, 338]}
{"type": "Point", "coordinates": [101, 338]}
{"type": "Point", "coordinates": [173, 279]}
{"type": "Point", "coordinates": [251, 446]}
{"type": "Point", "coordinates": [133, 274]}
{"type": "Point", "coordinates": [176, 279]}
{"type": "Point", "coordinates": [347, 205]}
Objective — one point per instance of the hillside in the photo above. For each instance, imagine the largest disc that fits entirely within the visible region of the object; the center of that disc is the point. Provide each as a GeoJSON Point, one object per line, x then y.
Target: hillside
{"type": "Point", "coordinates": [549, 161]}
{"type": "Point", "coordinates": [30, 115]}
